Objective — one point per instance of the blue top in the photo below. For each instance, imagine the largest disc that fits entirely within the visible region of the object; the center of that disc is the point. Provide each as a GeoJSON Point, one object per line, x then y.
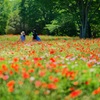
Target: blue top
{"type": "Point", "coordinates": [22, 37]}
{"type": "Point", "coordinates": [38, 38]}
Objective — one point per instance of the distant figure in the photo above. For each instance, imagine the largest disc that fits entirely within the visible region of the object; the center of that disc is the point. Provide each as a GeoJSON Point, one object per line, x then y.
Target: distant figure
{"type": "Point", "coordinates": [35, 36]}
{"type": "Point", "coordinates": [22, 36]}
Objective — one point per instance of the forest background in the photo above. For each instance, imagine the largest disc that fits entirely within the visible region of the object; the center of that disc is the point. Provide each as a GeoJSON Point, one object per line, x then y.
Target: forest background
{"type": "Point", "coordinates": [51, 17]}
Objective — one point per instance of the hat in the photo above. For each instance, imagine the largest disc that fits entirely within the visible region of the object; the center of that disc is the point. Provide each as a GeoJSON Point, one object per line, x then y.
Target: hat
{"type": "Point", "coordinates": [22, 33]}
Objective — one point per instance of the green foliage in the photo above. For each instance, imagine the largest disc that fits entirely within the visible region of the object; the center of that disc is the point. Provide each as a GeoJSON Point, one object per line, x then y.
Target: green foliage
{"type": "Point", "coordinates": [13, 23]}
{"type": "Point", "coordinates": [56, 17]}
{"type": "Point", "coordinates": [30, 15]}
{"type": "Point", "coordinates": [4, 11]}
{"type": "Point", "coordinates": [6, 8]}
{"type": "Point", "coordinates": [30, 34]}
{"type": "Point", "coordinates": [62, 25]}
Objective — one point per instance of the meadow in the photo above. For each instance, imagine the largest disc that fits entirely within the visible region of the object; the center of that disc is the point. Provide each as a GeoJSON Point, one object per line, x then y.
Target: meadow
{"type": "Point", "coordinates": [57, 68]}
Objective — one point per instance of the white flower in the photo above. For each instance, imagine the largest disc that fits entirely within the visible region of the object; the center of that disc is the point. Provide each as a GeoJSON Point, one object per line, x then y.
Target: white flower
{"type": "Point", "coordinates": [32, 79]}
{"type": "Point", "coordinates": [92, 70]}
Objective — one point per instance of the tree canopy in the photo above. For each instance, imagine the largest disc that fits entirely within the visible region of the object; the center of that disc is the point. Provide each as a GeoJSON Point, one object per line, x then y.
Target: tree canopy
{"type": "Point", "coordinates": [53, 17]}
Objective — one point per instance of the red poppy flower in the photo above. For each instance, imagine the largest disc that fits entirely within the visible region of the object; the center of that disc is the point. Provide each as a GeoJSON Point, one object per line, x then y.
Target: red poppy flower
{"type": "Point", "coordinates": [4, 68]}
{"type": "Point", "coordinates": [38, 83]}
{"type": "Point", "coordinates": [52, 86]}
{"type": "Point", "coordinates": [25, 75]}
{"type": "Point", "coordinates": [11, 83]}
{"type": "Point", "coordinates": [15, 59]}
{"type": "Point", "coordinates": [11, 89]}
{"type": "Point", "coordinates": [97, 91]}
{"type": "Point", "coordinates": [75, 93]}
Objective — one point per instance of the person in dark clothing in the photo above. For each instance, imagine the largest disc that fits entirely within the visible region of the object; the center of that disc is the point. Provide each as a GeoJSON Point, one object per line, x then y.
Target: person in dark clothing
{"type": "Point", "coordinates": [35, 36]}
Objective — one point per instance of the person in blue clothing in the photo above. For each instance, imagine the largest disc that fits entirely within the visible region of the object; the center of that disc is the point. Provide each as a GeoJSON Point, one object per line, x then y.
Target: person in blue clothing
{"type": "Point", "coordinates": [35, 36]}
{"type": "Point", "coordinates": [22, 36]}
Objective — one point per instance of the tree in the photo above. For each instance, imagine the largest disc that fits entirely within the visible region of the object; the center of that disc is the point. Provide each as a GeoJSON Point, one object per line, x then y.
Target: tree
{"type": "Point", "coordinates": [87, 9]}
{"type": "Point", "coordinates": [60, 16]}
{"type": "Point", "coordinates": [4, 11]}
{"type": "Point", "coordinates": [13, 23]}
{"type": "Point", "coordinates": [84, 10]}
{"type": "Point", "coordinates": [36, 13]}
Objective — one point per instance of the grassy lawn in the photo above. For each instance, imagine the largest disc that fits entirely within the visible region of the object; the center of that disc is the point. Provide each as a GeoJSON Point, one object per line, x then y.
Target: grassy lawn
{"type": "Point", "coordinates": [57, 68]}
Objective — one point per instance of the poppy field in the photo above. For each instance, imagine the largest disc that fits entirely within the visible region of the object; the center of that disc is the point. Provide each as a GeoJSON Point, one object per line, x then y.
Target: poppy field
{"type": "Point", "coordinates": [57, 68]}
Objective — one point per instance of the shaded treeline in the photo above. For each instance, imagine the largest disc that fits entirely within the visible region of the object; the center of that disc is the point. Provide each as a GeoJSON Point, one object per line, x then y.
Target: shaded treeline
{"type": "Point", "coordinates": [51, 17]}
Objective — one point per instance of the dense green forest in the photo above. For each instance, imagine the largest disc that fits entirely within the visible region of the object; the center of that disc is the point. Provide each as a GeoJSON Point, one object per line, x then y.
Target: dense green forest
{"type": "Point", "coordinates": [51, 17]}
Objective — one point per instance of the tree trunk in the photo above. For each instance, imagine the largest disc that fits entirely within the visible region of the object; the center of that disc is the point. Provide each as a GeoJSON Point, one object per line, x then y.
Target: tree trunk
{"type": "Point", "coordinates": [89, 30]}
{"type": "Point", "coordinates": [83, 32]}
{"type": "Point", "coordinates": [85, 29]}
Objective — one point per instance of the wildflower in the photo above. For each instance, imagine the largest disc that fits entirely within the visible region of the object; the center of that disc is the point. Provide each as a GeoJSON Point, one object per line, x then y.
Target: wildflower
{"type": "Point", "coordinates": [97, 91]}
{"type": "Point", "coordinates": [16, 59]}
{"type": "Point", "coordinates": [15, 67]}
{"type": "Point", "coordinates": [37, 59]}
{"type": "Point", "coordinates": [53, 65]}
{"type": "Point", "coordinates": [75, 93]}
{"type": "Point", "coordinates": [1, 72]}
{"type": "Point", "coordinates": [44, 85]}
{"type": "Point", "coordinates": [11, 89]}
{"type": "Point", "coordinates": [11, 72]}
{"type": "Point", "coordinates": [53, 79]}
{"type": "Point", "coordinates": [5, 77]}
{"type": "Point", "coordinates": [76, 83]}
{"type": "Point", "coordinates": [89, 65]}
{"type": "Point", "coordinates": [52, 51]}
{"type": "Point", "coordinates": [72, 89]}
{"type": "Point", "coordinates": [87, 82]}
{"type": "Point", "coordinates": [52, 59]}
{"type": "Point", "coordinates": [50, 78]}
{"type": "Point", "coordinates": [25, 75]}
{"type": "Point", "coordinates": [32, 52]}
{"type": "Point", "coordinates": [38, 83]}
{"type": "Point", "coordinates": [42, 73]}
{"type": "Point", "coordinates": [4, 68]}
{"type": "Point", "coordinates": [28, 63]}
{"type": "Point", "coordinates": [1, 59]}
{"type": "Point", "coordinates": [52, 86]}
{"type": "Point", "coordinates": [11, 83]}
{"type": "Point", "coordinates": [64, 71]}
{"type": "Point", "coordinates": [31, 70]}
{"type": "Point", "coordinates": [32, 79]}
